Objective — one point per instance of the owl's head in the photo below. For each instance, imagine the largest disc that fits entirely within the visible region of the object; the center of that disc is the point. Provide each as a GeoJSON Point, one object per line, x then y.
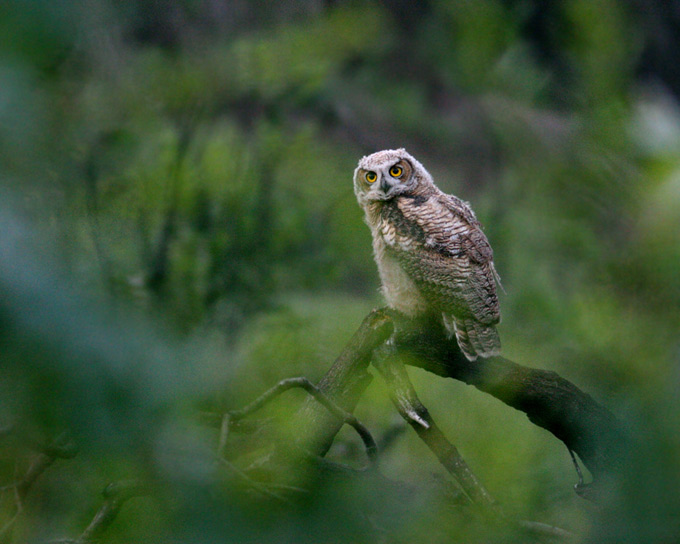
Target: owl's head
{"type": "Point", "coordinates": [386, 174]}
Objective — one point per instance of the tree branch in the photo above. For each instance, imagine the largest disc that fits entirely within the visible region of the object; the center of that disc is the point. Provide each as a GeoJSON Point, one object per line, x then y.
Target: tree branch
{"type": "Point", "coordinates": [548, 400]}
{"type": "Point", "coordinates": [345, 381]}
{"type": "Point", "coordinates": [408, 404]}
{"type": "Point", "coordinates": [323, 399]}
{"type": "Point", "coordinates": [60, 448]}
{"type": "Point", "coordinates": [115, 495]}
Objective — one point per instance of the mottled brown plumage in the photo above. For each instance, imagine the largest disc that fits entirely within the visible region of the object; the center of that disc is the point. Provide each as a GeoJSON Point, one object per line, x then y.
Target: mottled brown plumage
{"type": "Point", "coordinates": [432, 254]}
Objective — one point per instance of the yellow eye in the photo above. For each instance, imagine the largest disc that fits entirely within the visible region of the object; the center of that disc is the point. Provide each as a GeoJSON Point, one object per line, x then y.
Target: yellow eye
{"type": "Point", "coordinates": [371, 177]}
{"type": "Point", "coordinates": [396, 171]}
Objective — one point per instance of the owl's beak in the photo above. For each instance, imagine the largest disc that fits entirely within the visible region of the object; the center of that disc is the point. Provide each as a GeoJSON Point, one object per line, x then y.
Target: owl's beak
{"type": "Point", "coordinates": [385, 186]}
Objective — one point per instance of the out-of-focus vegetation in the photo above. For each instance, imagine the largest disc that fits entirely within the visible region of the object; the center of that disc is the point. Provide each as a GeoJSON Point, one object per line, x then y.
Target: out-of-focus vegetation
{"type": "Point", "coordinates": [178, 232]}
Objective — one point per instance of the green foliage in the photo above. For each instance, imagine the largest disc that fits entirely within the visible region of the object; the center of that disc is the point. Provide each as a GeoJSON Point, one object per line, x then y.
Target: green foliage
{"type": "Point", "coordinates": [178, 232]}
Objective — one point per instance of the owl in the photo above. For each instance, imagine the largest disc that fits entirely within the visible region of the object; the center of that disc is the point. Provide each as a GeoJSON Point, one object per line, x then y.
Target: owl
{"type": "Point", "coordinates": [432, 255]}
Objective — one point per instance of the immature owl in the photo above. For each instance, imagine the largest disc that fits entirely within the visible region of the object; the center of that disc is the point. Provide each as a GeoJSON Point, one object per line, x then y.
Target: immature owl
{"type": "Point", "coordinates": [431, 252]}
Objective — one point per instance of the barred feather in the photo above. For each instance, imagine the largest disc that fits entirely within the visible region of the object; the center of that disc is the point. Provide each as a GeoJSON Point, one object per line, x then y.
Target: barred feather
{"type": "Point", "coordinates": [431, 252]}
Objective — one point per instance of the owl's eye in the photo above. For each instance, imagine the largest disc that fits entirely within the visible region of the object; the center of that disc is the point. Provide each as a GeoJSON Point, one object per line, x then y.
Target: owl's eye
{"type": "Point", "coordinates": [396, 171]}
{"type": "Point", "coordinates": [371, 177]}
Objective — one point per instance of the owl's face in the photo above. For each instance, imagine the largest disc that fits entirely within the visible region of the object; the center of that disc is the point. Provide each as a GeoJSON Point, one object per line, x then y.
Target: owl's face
{"type": "Point", "coordinates": [386, 174]}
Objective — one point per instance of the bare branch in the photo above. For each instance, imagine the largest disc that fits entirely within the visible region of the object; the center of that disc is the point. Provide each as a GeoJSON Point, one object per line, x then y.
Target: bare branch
{"type": "Point", "coordinates": [303, 383]}
{"type": "Point", "coordinates": [115, 495]}
{"type": "Point", "coordinates": [545, 530]}
{"type": "Point", "coordinates": [548, 400]}
{"type": "Point", "coordinates": [224, 434]}
{"type": "Point", "coordinates": [250, 482]}
{"type": "Point", "coordinates": [284, 385]}
{"type": "Point", "coordinates": [345, 381]}
{"type": "Point", "coordinates": [408, 404]}
{"type": "Point", "coordinates": [40, 464]}
{"type": "Point", "coordinates": [62, 447]}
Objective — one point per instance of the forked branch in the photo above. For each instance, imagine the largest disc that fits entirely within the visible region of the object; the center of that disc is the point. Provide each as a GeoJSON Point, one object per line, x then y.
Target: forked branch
{"type": "Point", "coordinates": [408, 404]}
{"type": "Point", "coordinates": [548, 400]}
{"type": "Point", "coordinates": [339, 413]}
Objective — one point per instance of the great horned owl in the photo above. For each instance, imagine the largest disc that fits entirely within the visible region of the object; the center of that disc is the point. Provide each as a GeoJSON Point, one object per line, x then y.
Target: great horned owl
{"type": "Point", "coordinates": [430, 249]}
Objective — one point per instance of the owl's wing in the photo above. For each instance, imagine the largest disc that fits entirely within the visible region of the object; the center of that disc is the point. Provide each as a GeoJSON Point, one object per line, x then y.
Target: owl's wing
{"type": "Point", "coordinates": [440, 244]}
{"type": "Point", "coordinates": [473, 240]}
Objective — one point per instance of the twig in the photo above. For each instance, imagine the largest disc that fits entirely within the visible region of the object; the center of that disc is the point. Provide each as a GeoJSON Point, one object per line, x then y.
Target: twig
{"type": "Point", "coordinates": [589, 491]}
{"type": "Point", "coordinates": [224, 434]}
{"type": "Point", "coordinates": [302, 383]}
{"type": "Point", "coordinates": [40, 464]}
{"type": "Point", "coordinates": [286, 487]}
{"type": "Point", "coordinates": [345, 382]}
{"type": "Point", "coordinates": [548, 400]}
{"type": "Point", "coordinates": [578, 469]}
{"type": "Point", "coordinates": [60, 448]}
{"type": "Point", "coordinates": [408, 404]}
{"type": "Point", "coordinates": [390, 436]}
{"type": "Point", "coordinates": [545, 530]}
{"type": "Point", "coordinates": [326, 465]}
{"type": "Point", "coordinates": [115, 495]}
{"type": "Point", "coordinates": [248, 480]}
{"type": "Point", "coordinates": [244, 426]}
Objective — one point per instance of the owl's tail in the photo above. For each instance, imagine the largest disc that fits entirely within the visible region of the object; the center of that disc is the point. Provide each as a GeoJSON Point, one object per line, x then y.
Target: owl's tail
{"type": "Point", "coordinates": [474, 338]}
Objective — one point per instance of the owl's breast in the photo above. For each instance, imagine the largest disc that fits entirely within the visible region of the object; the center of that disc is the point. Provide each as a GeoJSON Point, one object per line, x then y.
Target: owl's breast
{"type": "Point", "coordinates": [399, 290]}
